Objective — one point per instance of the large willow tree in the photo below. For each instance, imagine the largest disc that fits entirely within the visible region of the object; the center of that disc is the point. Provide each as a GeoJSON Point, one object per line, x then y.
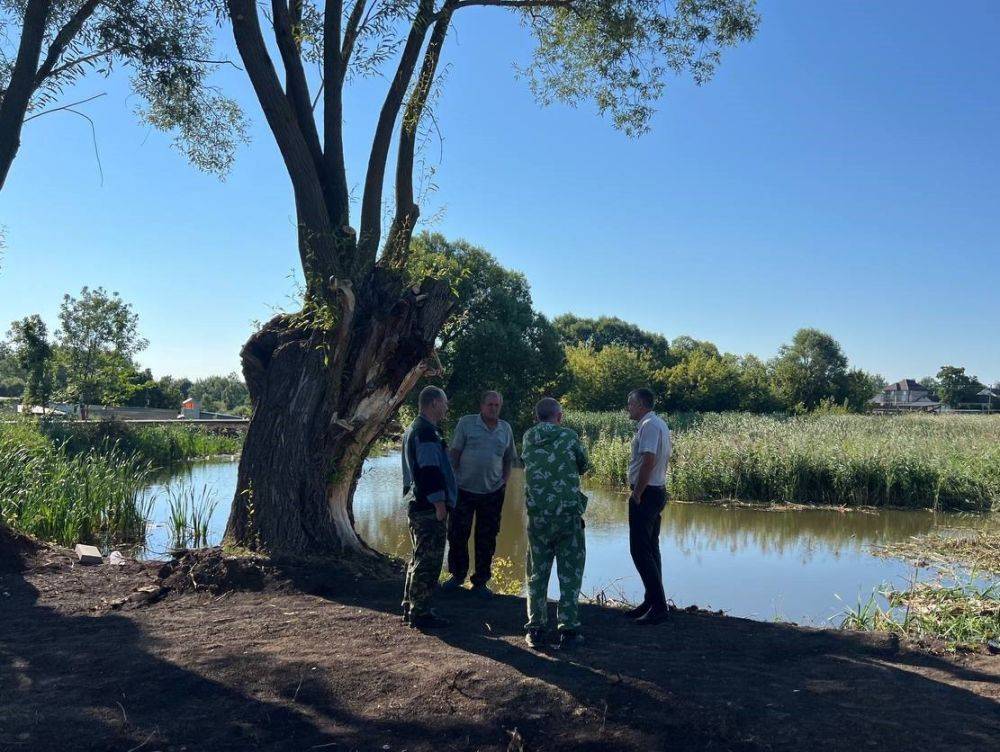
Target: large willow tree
{"type": "Point", "coordinates": [325, 380]}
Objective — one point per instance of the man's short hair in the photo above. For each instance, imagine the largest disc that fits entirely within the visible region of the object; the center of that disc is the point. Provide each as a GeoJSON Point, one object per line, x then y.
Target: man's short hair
{"type": "Point", "coordinates": [547, 409]}
{"type": "Point", "coordinates": [645, 397]}
{"type": "Point", "coordinates": [429, 395]}
{"type": "Point", "coordinates": [489, 393]}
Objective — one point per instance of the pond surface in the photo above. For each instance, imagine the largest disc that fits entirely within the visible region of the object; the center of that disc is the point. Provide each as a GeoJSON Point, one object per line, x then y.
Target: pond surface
{"type": "Point", "coordinates": [802, 565]}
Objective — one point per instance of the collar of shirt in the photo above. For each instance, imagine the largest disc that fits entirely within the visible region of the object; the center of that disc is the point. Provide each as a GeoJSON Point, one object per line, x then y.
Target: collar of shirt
{"type": "Point", "coordinates": [479, 417]}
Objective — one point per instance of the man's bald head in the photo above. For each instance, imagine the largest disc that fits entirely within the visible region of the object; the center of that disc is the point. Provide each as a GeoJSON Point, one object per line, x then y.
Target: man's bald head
{"type": "Point", "coordinates": [548, 410]}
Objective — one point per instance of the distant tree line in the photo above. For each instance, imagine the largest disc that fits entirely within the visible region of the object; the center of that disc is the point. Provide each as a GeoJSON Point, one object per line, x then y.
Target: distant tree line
{"type": "Point", "coordinates": [502, 343]}
{"type": "Point", "coordinates": [498, 342]}
{"type": "Point", "coordinates": [90, 360]}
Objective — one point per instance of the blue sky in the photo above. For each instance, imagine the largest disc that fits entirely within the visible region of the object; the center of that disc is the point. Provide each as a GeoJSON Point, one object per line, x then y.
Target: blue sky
{"type": "Point", "coordinates": [841, 172]}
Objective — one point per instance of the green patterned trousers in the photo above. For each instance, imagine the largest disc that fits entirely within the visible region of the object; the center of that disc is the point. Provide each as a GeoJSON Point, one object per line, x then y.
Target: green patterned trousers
{"type": "Point", "coordinates": [427, 534]}
{"type": "Point", "coordinates": [563, 540]}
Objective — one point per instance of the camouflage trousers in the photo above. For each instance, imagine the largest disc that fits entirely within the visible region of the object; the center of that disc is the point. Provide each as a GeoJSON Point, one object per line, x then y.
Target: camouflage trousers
{"type": "Point", "coordinates": [486, 508]}
{"type": "Point", "coordinates": [562, 540]}
{"type": "Point", "coordinates": [427, 534]}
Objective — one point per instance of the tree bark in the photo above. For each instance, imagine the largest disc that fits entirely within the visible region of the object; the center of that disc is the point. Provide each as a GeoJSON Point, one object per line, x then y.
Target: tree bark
{"type": "Point", "coordinates": [321, 397]}
{"type": "Point", "coordinates": [17, 97]}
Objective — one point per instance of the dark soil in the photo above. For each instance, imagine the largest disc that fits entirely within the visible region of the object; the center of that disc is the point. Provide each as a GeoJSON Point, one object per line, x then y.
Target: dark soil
{"type": "Point", "coordinates": [215, 654]}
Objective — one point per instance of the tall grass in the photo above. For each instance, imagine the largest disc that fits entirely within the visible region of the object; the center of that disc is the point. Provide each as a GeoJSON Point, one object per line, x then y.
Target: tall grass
{"type": "Point", "coordinates": [927, 461]}
{"type": "Point", "coordinates": [162, 445]}
{"type": "Point", "coordinates": [91, 497]}
{"type": "Point", "coordinates": [71, 482]}
{"type": "Point", "coordinates": [190, 513]}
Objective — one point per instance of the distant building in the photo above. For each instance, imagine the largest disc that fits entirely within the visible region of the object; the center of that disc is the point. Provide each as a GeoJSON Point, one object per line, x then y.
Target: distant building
{"type": "Point", "coordinates": [191, 409]}
{"type": "Point", "coordinates": [905, 396]}
{"type": "Point", "coordinates": [986, 400]}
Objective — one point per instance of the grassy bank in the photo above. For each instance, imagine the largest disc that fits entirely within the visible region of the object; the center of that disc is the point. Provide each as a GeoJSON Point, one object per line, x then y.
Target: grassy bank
{"type": "Point", "coordinates": [162, 445]}
{"type": "Point", "coordinates": [964, 614]}
{"type": "Point", "coordinates": [927, 461]}
{"type": "Point", "coordinates": [71, 483]}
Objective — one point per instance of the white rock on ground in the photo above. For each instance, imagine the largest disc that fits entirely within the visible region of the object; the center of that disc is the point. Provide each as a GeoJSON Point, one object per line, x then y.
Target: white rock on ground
{"type": "Point", "coordinates": [88, 554]}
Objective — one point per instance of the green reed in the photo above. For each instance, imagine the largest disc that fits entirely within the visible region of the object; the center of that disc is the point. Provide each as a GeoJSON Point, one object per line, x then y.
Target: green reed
{"type": "Point", "coordinates": [85, 482]}
{"type": "Point", "coordinates": [190, 513]}
{"type": "Point", "coordinates": [91, 497]}
{"type": "Point", "coordinates": [964, 614]}
{"type": "Point", "coordinates": [925, 461]}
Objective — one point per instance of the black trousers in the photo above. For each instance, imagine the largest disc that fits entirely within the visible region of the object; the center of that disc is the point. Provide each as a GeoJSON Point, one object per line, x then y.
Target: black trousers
{"type": "Point", "coordinates": [644, 543]}
{"type": "Point", "coordinates": [486, 509]}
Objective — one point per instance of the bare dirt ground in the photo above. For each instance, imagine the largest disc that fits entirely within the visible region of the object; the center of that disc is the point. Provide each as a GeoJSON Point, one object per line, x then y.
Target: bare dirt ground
{"type": "Point", "coordinates": [213, 655]}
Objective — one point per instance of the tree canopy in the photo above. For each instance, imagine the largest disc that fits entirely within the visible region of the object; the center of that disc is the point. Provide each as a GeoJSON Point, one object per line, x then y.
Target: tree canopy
{"type": "Point", "coordinates": [598, 333]}
{"type": "Point", "coordinates": [98, 337]}
{"type": "Point", "coordinates": [48, 46]}
{"type": "Point", "coordinates": [495, 340]}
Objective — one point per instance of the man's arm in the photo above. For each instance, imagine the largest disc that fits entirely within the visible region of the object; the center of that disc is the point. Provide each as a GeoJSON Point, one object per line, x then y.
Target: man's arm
{"type": "Point", "coordinates": [429, 475]}
{"type": "Point", "coordinates": [457, 445]}
{"type": "Point", "coordinates": [580, 454]}
{"type": "Point", "coordinates": [509, 455]}
{"type": "Point", "coordinates": [648, 443]}
{"type": "Point", "coordinates": [645, 471]}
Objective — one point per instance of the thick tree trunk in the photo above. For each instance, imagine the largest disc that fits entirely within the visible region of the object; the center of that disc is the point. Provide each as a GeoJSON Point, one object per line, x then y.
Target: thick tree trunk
{"type": "Point", "coordinates": [322, 395]}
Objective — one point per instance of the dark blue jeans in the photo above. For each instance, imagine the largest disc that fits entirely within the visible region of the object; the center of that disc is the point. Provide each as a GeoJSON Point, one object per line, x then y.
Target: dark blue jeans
{"type": "Point", "coordinates": [644, 543]}
{"type": "Point", "coordinates": [486, 508]}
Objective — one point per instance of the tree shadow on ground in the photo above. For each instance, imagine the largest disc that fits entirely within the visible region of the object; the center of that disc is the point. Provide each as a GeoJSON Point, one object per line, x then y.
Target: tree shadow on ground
{"type": "Point", "coordinates": [709, 678]}
{"type": "Point", "coordinates": [99, 682]}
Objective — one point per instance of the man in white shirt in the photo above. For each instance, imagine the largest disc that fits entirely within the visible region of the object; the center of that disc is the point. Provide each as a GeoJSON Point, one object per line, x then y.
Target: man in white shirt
{"type": "Point", "coordinates": [647, 475]}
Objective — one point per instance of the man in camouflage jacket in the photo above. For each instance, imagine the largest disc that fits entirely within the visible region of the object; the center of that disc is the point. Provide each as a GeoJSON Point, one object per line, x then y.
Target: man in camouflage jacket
{"type": "Point", "coordinates": [554, 460]}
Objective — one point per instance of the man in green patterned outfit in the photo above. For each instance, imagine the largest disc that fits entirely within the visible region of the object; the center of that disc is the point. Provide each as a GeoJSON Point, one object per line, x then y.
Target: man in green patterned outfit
{"type": "Point", "coordinates": [554, 460]}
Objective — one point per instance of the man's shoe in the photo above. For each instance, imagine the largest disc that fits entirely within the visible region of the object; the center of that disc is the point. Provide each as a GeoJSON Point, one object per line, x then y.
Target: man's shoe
{"type": "Point", "coordinates": [652, 617]}
{"type": "Point", "coordinates": [640, 610]}
{"type": "Point", "coordinates": [482, 591]}
{"type": "Point", "coordinates": [569, 640]}
{"type": "Point", "coordinates": [430, 620]}
{"type": "Point", "coordinates": [452, 584]}
{"type": "Point", "coordinates": [536, 639]}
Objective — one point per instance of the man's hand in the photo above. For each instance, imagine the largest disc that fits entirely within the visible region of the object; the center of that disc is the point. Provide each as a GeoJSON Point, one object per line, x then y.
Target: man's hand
{"type": "Point", "coordinates": [440, 510]}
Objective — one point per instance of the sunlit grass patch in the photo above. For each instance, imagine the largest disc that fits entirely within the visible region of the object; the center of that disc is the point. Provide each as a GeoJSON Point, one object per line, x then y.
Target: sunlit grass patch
{"type": "Point", "coordinates": [965, 615]}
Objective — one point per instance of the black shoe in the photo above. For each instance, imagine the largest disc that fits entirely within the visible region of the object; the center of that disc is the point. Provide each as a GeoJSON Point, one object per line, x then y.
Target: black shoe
{"type": "Point", "coordinates": [430, 620]}
{"type": "Point", "coordinates": [635, 613]}
{"type": "Point", "coordinates": [652, 617]}
{"type": "Point", "coordinates": [481, 591]}
{"type": "Point", "coordinates": [536, 639]}
{"type": "Point", "coordinates": [452, 584]}
{"type": "Point", "coordinates": [569, 640]}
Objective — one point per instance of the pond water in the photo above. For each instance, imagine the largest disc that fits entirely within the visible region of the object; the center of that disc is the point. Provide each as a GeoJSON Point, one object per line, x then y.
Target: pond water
{"type": "Point", "coordinates": [802, 565]}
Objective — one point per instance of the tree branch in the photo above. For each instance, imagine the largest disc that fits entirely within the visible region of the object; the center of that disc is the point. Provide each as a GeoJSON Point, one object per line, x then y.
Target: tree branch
{"type": "Point", "coordinates": [333, 114]}
{"type": "Point", "coordinates": [512, 4]}
{"type": "Point", "coordinates": [66, 106]}
{"type": "Point", "coordinates": [22, 82]}
{"type": "Point", "coordinates": [351, 32]}
{"type": "Point", "coordinates": [401, 231]}
{"type": "Point", "coordinates": [73, 63]}
{"type": "Point", "coordinates": [371, 202]}
{"type": "Point", "coordinates": [317, 243]}
{"type": "Point", "coordinates": [64, 37]}
{"type": "Point", "coordinates": [296, 86]}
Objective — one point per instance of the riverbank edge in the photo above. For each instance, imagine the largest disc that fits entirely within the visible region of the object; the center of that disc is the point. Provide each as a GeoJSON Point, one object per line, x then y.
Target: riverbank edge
{"type": "Point", "coordinates": [234, 652]}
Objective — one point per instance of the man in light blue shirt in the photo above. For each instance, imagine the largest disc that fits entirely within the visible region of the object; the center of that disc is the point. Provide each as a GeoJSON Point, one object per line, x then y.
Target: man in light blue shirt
{"type": "Point", "coordinates": [482, 452]}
